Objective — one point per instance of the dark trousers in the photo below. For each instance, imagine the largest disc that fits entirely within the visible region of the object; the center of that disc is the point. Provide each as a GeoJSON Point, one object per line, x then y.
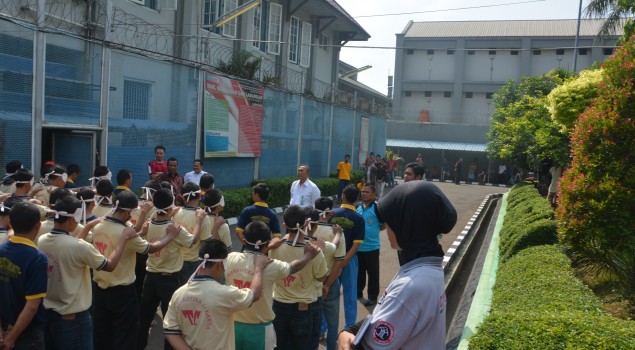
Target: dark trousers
{"type": "Point", "coordinates": [64, 333]}
{"type": "Point", "coordinates": [368, 265]}
{"type": "Point", "coordinates": [140, 272]}
{"type": "Point", "coordinates": [157, 289]}
{"type": "Point", "coordinates": [32, 338]}
{"type": "Point", "coordinates": [340, 188]}
{"type": "Point", "coordinates": [294, 327]}
{"type": "Point", "coordinates": [116, 317]}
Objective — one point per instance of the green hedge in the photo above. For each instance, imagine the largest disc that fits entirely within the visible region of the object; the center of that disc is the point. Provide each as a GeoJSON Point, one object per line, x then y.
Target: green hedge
{"type": "Point", "coordinates": [538, 303]}
{"type": "Point", "coordinates": [528, 221]}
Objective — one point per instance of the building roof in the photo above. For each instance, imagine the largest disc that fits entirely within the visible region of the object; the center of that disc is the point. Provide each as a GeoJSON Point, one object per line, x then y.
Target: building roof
{"type": "Point", "coordinates": [364, 87]}
{"type": "Point", "coordinates": [447, 146]}
{"type": "Point", "coordinates": [361, 34]}
{"type": "Point", "coordinates": [521, 28]}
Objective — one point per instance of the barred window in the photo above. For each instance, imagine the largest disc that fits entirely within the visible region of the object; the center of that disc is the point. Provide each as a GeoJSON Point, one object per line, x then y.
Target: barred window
{"type": "Point", "coordinates": [136, 99]}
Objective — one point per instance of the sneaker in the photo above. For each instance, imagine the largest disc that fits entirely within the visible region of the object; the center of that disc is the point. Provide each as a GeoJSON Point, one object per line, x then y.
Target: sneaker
{"type": "Point", "coordinates": [369, 302]}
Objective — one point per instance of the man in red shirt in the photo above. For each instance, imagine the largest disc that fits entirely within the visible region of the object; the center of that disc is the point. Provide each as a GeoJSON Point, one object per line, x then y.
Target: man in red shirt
{"type": "Point", "coordinates": [158, 165]}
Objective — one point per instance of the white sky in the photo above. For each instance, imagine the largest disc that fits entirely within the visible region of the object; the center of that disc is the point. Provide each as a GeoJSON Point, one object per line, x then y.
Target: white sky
{"type": "Point", "coordinates": [383, 29]}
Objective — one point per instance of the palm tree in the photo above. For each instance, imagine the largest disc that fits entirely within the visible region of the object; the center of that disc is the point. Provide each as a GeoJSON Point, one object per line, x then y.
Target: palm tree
{"type": "Point", "coordinates": [613, 11]}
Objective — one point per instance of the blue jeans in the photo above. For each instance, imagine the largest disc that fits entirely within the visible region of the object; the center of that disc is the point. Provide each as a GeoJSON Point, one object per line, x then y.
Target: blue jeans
{"type": "Point", "coordinates": [331, 319]}
{"type": "Point", "coordinates": [340, 188]}
{"type": "Point", "coordinates": [293, 326]}
{"type": "Point", "coordinates": [62, 334]}
{"type": "Point", "coordinates": [348, 279]}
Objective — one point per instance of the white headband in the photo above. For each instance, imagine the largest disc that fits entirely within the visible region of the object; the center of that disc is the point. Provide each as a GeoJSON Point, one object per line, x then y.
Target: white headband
{"type": "Point", "coordinates": [122, 208]}
{"type": "Point", "coordinates": [4, 209]}
{"type": "Point", "coordinates": [148, 192]}
{"type": "Point", "coordinates": [204, 261]}
{"type": "Point", "coordinates": [165, 210]}
{"type": "Point", "coordinates": [63, 175]}
{"type": "Point", "coordinates": [100, 199]}
{"type": "Point", "coordinates": [324, 212]}
{"type": "Point", "coordinates": [257, 244]}
{"type": "Point", "coordinates": [192, 193]}
{"type": "Point", "coordinates": [221, 202]}
{"type": "Point", "coordinates": [84, 208]}
{"type": "Point", "coordinates": [32, 181]}
{"type": "Point", "coordinates": [300, 231]}
{"type": "Point", "coordinates": [77, 215]}
{"type": "Point", "coordinates": [97, 178]}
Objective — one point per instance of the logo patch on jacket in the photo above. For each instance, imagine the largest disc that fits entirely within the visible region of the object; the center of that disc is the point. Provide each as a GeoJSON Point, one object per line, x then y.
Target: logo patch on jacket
{"type": "Point", "coordinates": [383, 332]}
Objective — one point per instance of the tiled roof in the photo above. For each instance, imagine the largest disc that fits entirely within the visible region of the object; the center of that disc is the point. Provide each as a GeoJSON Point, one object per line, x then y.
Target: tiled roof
{"type": "Point", "coordinates": [531, 28]}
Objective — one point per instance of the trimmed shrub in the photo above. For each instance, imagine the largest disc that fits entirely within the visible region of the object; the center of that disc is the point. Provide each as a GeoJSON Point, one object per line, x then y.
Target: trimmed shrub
{"type": "Point", "coordinates": [597, 193]}
{"type": "Point", "coordinates": [528, 221]}
{"type": "Point", "coordinates": [538, 303]}
{"type": "Point", "coordinates": [553, 331]}
{"type": "Point", "coordinates": [539, 232]}
{"type": "Point", "coordinates": [235, 200]}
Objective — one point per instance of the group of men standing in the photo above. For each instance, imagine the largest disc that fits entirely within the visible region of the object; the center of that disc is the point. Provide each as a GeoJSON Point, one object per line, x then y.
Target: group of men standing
{"type": "Point", "coordinates": [74, 284]}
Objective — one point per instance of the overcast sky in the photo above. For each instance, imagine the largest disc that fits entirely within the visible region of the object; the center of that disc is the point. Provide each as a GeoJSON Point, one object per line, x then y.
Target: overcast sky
{"type": "Point", "coordinates": [383, 29]}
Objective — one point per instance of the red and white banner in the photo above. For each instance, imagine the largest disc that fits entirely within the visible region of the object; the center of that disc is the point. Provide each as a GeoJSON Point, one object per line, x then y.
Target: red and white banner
{"type": "Point", "coordinates": [232, 114]}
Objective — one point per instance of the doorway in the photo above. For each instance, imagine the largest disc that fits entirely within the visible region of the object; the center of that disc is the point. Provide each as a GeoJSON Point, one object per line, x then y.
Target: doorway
{"type": "Point", "coordinates": [66, 147]}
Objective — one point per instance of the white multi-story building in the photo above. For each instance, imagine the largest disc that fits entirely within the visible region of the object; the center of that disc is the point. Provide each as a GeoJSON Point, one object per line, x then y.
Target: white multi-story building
{"type": "Point", "coordinates": [447, 72]}
{"type": "Point", "coordinates": [104, 81]}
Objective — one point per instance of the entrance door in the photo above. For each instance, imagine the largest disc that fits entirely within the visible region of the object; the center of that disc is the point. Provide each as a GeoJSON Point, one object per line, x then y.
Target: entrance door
{"type": "Point", "coordinates": [75, 147]}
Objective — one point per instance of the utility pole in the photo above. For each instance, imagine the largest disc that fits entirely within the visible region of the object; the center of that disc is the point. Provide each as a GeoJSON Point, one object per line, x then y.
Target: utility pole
{"type": "Point", "coordinates": [577, 38]}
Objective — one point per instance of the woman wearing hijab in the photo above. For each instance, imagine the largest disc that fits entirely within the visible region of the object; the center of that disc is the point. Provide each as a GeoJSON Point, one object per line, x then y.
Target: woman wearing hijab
{"type": "Point", "coordinates": [411, 312]}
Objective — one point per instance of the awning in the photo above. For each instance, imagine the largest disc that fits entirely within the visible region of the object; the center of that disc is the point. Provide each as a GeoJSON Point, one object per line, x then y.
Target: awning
{"type": "Point", "coordinates": [447, 146]}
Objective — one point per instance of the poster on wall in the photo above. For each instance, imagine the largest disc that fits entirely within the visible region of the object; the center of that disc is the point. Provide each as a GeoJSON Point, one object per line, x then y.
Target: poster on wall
{"type": "Point", "coordinates": [232, 117]}
{"type": "Point", "coordinates": [363, 142]}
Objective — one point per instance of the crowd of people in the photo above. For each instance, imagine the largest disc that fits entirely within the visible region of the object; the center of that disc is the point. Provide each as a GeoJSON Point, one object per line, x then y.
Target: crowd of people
{"type": "Point", "coordinates": [88, 267]}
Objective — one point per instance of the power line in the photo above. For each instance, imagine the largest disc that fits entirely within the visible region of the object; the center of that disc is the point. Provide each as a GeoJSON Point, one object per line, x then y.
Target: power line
{"type": "Point", "coordinates": [452, 9]}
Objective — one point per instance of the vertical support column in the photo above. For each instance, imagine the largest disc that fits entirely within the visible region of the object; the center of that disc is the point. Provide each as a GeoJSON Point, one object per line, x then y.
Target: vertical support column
{"type": "Point", "coordinates": [328, 162]}
{"type": "Point", "coordinates": [460, 58]}
{"type": "Point", "coordinates": [39, 75]}
{"type": "Point", "coordinates": [105, 87]}
{"type": "Point", "coordinates": [300, 121]}
{"type": "Point", "coordinates": [354, 119]}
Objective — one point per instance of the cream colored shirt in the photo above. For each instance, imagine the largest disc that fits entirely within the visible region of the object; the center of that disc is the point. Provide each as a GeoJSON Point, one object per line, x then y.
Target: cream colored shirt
{"type": "Point", "coordinates": [223, 232]}
{"type": "Point", "coordinates": [170, 258]}
{"type": "Point", "coordinates": [186, 217]}
{"type": "Point", "coordinates": [4, 234]}
{"type": "Point", "coordinates": [202, 312]}
{"type": "Point", "coordinates": [44, 194]}
{"type": "Point", "coordinates": [68, 289]}
{"type": "Point", "coordinates": [102, 210]}
{"type": "Point", "coordinates": [151, 214]}
{"type": "Point", "coordinates": [106, 235]}
{"type": "Point", "coordinates": [329, 258]}
{"type": "Point", "coordinates": [239, 273]}
{"type": "Point", "coordinates": [47, 226]}
{"type": "Point", "coordinates": [298, 287]}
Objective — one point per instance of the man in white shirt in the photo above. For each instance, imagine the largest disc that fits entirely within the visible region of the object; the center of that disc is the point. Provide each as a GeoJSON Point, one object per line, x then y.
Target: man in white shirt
{"type": "Point", "coordinates": [303, 191]}
{"type": "Point", "coordinates": [195, 175]}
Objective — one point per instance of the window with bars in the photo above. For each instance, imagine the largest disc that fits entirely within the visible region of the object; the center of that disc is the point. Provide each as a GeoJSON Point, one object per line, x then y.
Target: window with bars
{"type": "Point", "coordinates": [229, 28]}
{"type": "Point", "coordinates": [136, 99]}
{"type": "Point", "coordinates": [210, 13]}
{"type": "Point", "coordinates": [275, 28]}
{"type": "Point", "coordinates": [294, 39]}
{"type": "Point", "coordinates": [255, 35]}
{"type": "Point", "coordinates": [324, 42]}
{"type": "Point", "coordinates": [305, 50]}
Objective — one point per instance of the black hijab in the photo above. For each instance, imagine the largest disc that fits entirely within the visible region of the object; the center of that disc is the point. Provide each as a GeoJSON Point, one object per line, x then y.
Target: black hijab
{"type": "Point", "coordinates": [417, 211]}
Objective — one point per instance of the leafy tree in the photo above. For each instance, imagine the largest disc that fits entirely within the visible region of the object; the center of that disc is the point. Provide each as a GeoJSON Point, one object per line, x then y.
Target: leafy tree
{"type": "Point", "coordinates": [522, 129]}
{"type": "Point", "coordinates": [613, 12]}
{"type": "Point", "coordinates": [568, 100]}
{"type": "Point", "coordinates": [596, 211]}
